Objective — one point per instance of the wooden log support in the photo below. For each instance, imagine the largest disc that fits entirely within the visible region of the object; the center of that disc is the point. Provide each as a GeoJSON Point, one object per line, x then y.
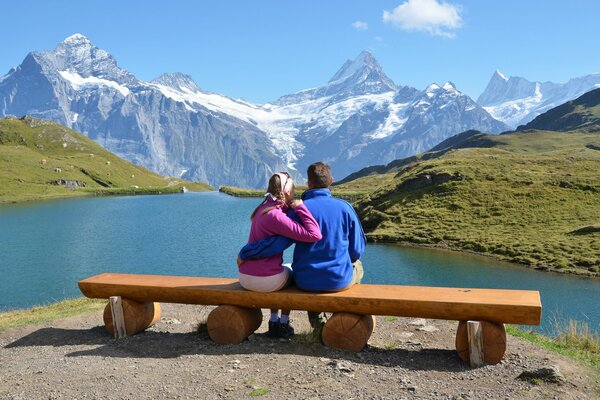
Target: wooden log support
{"type": "Point", "coordinates": [232, 324]}
{"type": "Point", "coordinates": [492, 342]}
{"type": "Point", "coordinates": [135, 316]}
{"type": "Point", "coordinates": [347, 331]}
{"type": "Point", "coordinates": [116, 312]}
{"type": "Point", "coordinates": [475, 338]}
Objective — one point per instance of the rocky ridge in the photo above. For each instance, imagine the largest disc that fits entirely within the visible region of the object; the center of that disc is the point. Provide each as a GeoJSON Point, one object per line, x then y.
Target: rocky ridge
{"type": "Point", "coordinates": [171, 126]}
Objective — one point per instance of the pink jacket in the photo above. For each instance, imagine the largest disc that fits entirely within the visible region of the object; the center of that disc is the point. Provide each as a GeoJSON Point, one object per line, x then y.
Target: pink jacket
{"type": "Point", "coordinates": [276, 222]}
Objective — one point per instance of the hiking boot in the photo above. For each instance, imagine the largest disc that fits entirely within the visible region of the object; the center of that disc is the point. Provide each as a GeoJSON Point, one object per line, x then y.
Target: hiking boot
{"type": "Point", "coordinates": [286, 331]}
{"type": "Point", "coordinates": [317, 321]}
{"type": "Point", "coordinates": [279, 330]}
{"type": "Point", "coordinates": [274, 328]}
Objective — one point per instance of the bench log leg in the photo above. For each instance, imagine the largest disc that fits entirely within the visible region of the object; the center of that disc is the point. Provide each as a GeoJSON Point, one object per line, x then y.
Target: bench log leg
{"type": "Point", "coordinates": [493, 341]}
{"type": "Point", "coordinates": [232, 324]}
{"type": "Point", "coordinates": [137, 316]}
{"type": "Point", "coordinates": [347, 331]}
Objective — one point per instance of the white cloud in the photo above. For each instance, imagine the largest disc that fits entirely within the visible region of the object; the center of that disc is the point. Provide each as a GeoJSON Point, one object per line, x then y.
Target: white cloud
{"type": "Point", "coordinates": [360, 25]}
{"type": "Point", "coordinates": [431, 16]}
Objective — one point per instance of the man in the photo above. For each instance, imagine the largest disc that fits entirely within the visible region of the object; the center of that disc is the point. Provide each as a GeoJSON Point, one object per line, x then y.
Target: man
{"type": "Point", "coordinates": [331, 264]}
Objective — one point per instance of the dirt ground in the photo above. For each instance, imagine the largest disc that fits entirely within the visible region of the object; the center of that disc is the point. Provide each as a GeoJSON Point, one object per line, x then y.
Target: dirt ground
{"type": "Point", "coordinates": [75, 358]}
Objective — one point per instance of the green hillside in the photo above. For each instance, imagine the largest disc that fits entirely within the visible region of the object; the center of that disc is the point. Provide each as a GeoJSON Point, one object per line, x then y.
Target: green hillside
{"type": "Point", "coordinates": [530, 197]}
{"type": "Point", "coordinates": [40, 159]}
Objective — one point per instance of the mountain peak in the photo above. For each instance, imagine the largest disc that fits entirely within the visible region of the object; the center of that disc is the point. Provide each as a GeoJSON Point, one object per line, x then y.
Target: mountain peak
{"type": "Point", "coordinates": [449, 87]}
{"type": "Point", "coordinates": [499, 75]}
{"type": "Point", "coordinates": [364, 61]}
{"type": "Point", "coordinates": [177, 80]}
{"type": "Point", "coordinates": [367, 58]}
{"type": "Point", "coordinates": [500, 89]}
{"type": "Point", "coordinates": [77, 54]}
{"type": "Point", "coordinates": [77, 39]}
{"type": "Point", "coordinates": [358, 77]}
{"type": "Point", "coordinates": [432, 88]}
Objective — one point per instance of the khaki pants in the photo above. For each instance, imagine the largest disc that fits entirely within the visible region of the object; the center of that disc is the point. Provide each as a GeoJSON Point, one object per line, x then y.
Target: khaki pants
{"type": "Point", "coordinates": [316, 319]}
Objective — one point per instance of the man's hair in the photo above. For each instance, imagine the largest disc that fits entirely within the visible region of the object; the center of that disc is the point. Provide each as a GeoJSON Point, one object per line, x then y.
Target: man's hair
{"type": "Point", "coordinates": [319, 174]}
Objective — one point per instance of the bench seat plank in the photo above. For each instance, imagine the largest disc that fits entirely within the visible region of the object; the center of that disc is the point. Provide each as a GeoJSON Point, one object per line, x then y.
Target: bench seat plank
{"type": "Point", "coordinates": [497, 305]}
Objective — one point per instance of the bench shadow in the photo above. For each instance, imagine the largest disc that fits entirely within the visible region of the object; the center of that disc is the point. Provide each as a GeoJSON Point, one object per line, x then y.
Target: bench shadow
{"type": "Point", "coordinates": [58, 337]}
{"type": "Point", "coordinates": [166, 345]}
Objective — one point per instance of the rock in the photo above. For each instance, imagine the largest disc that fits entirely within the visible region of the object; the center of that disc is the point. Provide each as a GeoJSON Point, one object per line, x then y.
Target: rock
{"type": "Point", "coordinates": [418, 322]}
{"type": "Point", "coordinates": [342, 366]}
{"type": "Point", "coordinates": [71, 184]}
{"type": "Point", "coordinates": [429, 179]}
{"type": "Point", "coordinates": [565, 184]}
{"type": "Point", "coordinates": [550, 374]}
{"type": "Point", "coordinates": [428, 328]}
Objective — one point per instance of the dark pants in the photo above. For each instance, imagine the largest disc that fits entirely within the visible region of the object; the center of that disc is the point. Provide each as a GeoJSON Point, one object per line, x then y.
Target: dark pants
{"type": "Point", "coordinates": [318, 319]}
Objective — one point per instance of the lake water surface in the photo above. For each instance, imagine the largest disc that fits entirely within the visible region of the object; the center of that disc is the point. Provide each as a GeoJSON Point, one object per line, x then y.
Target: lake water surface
{"type": "Point", "coordinates": [45, 248]}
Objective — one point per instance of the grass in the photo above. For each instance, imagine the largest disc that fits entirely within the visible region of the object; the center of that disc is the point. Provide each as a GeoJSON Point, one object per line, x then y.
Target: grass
{"type": "Point", "coordinates": [35, 155]}
{"type": "Point", "coordinates": [260, 391]}
{"type": "Point", "coordinates": [575, 340]}
{"type": "Point", "coordinates": [532, 198]}
{"type": "Point", "coordinates": [306, 338]}
{"type": "Point", "coordinates": [533, 381]}
{"type": "Point", "coordinates": [39, 314]}
{"type": "Point", "coordinates": [257, 391]}
{"type": "Point", "coordinates": [241, 192]}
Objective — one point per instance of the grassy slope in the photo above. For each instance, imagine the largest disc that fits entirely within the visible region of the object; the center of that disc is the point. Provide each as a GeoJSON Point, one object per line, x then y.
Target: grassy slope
{"type": "Point", "coordinates": [23, 176]}
{"type": "Point", "coordinates": [517, 199]}
{"type": "Point", "coordinates": [40, 314]}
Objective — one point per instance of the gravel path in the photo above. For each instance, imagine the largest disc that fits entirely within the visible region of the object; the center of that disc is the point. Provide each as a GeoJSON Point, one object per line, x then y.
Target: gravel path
{"type": "Point", "coordinates": [407, 358]}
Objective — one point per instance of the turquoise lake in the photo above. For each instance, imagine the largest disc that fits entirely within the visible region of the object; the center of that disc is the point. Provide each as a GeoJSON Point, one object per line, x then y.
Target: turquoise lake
{"type": "Point", "coordinates": [46, 247]}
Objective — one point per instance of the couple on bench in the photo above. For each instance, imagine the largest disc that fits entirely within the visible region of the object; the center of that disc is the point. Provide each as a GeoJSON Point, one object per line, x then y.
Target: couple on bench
{"type": "Point", "coordinates": [329, 243]}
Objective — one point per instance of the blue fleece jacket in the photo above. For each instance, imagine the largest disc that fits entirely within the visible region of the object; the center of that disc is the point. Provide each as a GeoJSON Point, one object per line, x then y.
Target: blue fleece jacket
{"type": "Point", "coordinates": [326, 264]}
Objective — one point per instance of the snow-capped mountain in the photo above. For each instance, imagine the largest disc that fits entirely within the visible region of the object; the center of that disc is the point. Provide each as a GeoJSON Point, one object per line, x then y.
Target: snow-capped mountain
{"type": "Point", "coordinates": [379, 128]}
{"type": "Point", "coordinates": [172, 126]}
{"type": "Point", "coordinates": [82, 87]}
{"type": "Point", "coordinates": [516, 101]}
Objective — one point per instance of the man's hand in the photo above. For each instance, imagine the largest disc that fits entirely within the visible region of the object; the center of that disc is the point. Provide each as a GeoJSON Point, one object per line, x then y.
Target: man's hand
{"type": "Point", "coordinates": [239, 261]}
{"type": "Point", "coordinates": [295, 203]}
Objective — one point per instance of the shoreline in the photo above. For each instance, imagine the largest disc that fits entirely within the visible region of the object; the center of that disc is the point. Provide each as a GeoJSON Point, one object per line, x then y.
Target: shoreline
{"type": "Point", "coordinates": [234, 191]}
{"type": "Point", "coordinates": [117, 192]}
{"type": "Point", "coordinates": [577, 273]}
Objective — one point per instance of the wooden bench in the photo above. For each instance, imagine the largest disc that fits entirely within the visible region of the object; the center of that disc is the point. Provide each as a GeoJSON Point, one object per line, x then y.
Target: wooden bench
{"type": "Point", "coordinates": [481, 313]}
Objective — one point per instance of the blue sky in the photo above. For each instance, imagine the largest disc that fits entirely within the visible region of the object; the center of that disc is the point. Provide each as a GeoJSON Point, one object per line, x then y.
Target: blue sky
{"type": "Point", "coordinates": [260, 50]}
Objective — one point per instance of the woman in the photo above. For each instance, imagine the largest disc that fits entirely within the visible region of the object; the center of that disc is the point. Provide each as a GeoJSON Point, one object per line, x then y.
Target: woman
{"type": "Point", "coordinates": [269, 219]}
